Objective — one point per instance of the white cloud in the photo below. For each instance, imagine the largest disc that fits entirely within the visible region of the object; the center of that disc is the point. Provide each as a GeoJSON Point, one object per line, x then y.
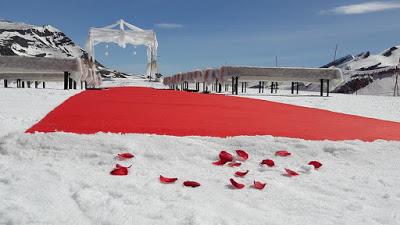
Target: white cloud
{"type": "Point", "coordinates": [169, 25]}
{"type": "Point", "coordinates": [362, 8]}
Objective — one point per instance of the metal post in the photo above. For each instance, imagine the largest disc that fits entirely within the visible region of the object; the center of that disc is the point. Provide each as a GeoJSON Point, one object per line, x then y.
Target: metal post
{"type": "Point", "coordinates": [66, 79]}
{"type": "Point", "coordinates": [322, 87]}
{"type": "Point", "coordinates": [327, 87]}
{"type": "Point", "coordinates": [75, 85]}
{"type": "Point", "coordinates": [36, 84]}
{"type": "Point", "coordinates": [297, 87]}
{"type": "Point", "coordinates": [23, 84]}
{"type": "Point", "coordinates": [233, 85]}
{"type": "Point", "coordinates": [276, 87]}
{"type": "Point", "coordinates": [262, 86]}
{"type": "Point", "coordinates": [5, 84]}
{"type": "Point", "coordinates": [272, 87]}
{"type": "Point", "coordinates": [292, 87]}
{"type": "Point", "coordinates": [259, 87]}
{"type": "Point", "coordinates": [44, 85]}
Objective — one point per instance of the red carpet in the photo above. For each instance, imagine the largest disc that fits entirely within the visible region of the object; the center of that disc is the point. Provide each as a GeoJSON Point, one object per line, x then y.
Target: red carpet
{"type": "Point", "coordinates": [145, 110]}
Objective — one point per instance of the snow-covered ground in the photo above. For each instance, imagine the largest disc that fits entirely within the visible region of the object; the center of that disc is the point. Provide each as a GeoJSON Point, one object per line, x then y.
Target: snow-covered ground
{"type": "Point", "coordinates": [62, 178]}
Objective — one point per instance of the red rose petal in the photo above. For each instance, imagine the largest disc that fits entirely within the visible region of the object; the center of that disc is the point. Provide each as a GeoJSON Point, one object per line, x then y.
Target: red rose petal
{"type": "Point", "coordinates": [191, 184]}
{"type": "Point", "coordinates": [268, 162]}
{"type": "Point", "coordinates": [123, 156]}
{"type": "Point", "coordinates": [258, 185]}
{"type": "Point", "coordinates": [119, 171]}
{"type": "Point", "coordinates": [167, 180]}
{"type": "Point", "coordinates": [283, 153]}
{"type": "Point", "coordinates": [225, 156]}
{"type": "Point", "coordinates": [236, 184]}
{"type": "Point", "coordinates": [241, 174]}
{"type": "Point", "coordinates": [219, 163]}
{"type": "Point", "coordinates": [234, 164]}
{"type": "Point", "coordinates": [242, 154]}
{"type": "Point", "coordinates": [316, 164]}
{"type": "Point", "coordinates": [291, 173]}
{"type": "Point", "coordinates": [121, 166]}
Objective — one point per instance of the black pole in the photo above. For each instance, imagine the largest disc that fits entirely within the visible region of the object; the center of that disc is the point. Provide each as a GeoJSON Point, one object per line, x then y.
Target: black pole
{"type": "Point", "coordinates": [262, 86]}
{"type": "Point", "coordinates": [292, 87]}
{"type": "Point", "coordinates": [322, 87]}
{"type": "Point", "coordinates": [44, 85]}
{"type": "Point", "coordinates": [36, 84]}
{"type": "Point", "coordinates": [66, 78]}
{"type": "Point", "coordinates": [237, 85]}
{"type": "Point", "coordinates": [297, 87]}
{"type": "Point", "coordinates": [327, 87]}
{"type": "Point", "coordinates": [272, 87]}
{"type": "Point", "coordinates": [75, 85]}
{"type": "Point", "coordinates": [233, 85]}
{"type": "Point", "coordinates": [245, 87]}
{"type": "Point", "coordinates": [276, 87]}
{"type": "Point", "coordinates": [5, 84]}
{"type": "Point", "coordinates": [23, 84]}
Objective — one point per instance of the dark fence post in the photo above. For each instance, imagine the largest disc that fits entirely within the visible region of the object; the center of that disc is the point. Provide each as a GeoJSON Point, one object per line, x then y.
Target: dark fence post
{"type": "Point", "coordinates": [66, 79]}
{"type": "Point", "coordinates": [23, 84]}
{"type": "Point", "coordinates": [75, 85]}
{"type": "Point", "coordinates": [36, 84]}
{"type": "Point", "coordinates": [292, 87]}
{"type": "Point", "coordinates": [5, 83]}
{"type": "Point", "coordinates": [327, 87]}
{"type": "Point", "coordinates": [44, 85]}
{"type": "Point", "coordinates": [322, 87]}
{"type": "Point", "coordinates": [297, 87]}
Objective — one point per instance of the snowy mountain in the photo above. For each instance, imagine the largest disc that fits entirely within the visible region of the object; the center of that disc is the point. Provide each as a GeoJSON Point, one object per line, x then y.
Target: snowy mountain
{"type": "Point", "coordinates": [20, 39]}
{"type": "Point", "coordinates": [369, 74]}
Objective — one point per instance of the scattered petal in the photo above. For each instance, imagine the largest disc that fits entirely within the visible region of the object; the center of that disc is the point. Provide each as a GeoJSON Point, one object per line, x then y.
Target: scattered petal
{"type": "Point", "coordinates": [123, 156]}
{"type": "Point", "coordinates": [241, 174]}
{"type": "Point", "coordinates": [268, 162]}
{"type": "Point", "coordinates": [121, 166]}
{"type": "Point", "coordinates": [236, 184]}
{"type": "Point", "coordinates": [191, 184]}
{"type": "Point", "coordinates": [316, 164]}
{"type": "Point", "coordinates": [258, 185]}
{"type": "Point", "coordinates": [167, 180]}
{"type": "Point", "coordinates": [219, 163]}
{"type": "Point", "coordinates": [283, 153]}
{"type": "Point", "coordinates": [242, 154]}
{"type": "Point", "coordinates": [119, 171]}
{"type": "Point", "coordinates": [234, 164]}
{"type": "Point", "coordinates": [291, 173]}
{"type": "Point", "coordinates": [225, 156]}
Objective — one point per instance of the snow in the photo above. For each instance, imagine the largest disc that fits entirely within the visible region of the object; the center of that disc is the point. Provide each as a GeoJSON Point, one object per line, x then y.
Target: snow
{"type": "Point", "coordinates": [379, 107]}
{"type": "Point", "coordinates": [63, 178]}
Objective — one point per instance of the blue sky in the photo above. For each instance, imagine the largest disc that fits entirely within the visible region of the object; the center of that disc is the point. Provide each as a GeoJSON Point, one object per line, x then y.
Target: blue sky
{"type": "Point", "coordinates": [210, 33]}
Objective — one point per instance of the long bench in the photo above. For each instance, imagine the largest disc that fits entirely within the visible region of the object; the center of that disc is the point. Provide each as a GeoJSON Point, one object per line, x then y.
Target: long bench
{"type": "Point", "coordinates": [235, 74]}
{"type": "Point", "coordinates": [42, 69]}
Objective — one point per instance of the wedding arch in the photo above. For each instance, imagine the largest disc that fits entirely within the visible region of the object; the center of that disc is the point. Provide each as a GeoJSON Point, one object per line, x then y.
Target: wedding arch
{"type": "Point", "coordinates": [123, 33]}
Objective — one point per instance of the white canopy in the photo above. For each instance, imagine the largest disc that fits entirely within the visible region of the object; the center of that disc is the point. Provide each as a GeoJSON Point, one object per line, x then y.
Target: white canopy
{"type": "Point", "coordinates": [121, 36]}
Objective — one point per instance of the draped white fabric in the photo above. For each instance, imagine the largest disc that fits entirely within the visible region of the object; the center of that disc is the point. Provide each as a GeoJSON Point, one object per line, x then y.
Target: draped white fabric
{"type": "Point", "coordinates": [121, 36]}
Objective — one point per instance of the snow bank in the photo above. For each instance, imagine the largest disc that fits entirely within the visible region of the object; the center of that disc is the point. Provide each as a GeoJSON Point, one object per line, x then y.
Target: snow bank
{"type": "Point", "coordinates": [63, 179]}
